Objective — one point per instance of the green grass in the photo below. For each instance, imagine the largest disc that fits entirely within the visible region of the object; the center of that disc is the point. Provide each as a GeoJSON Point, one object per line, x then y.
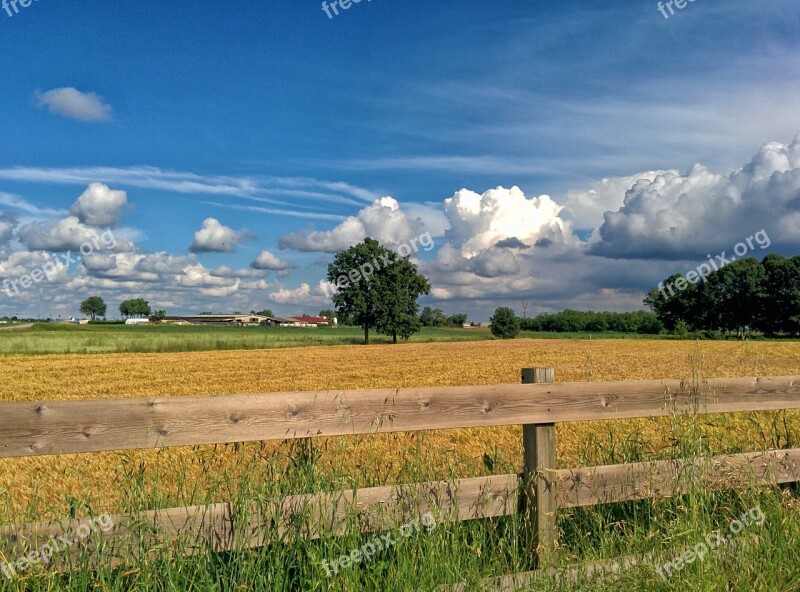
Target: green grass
{"type": "Point", "coordinates": [767, 557]}
{"type": "Point", "coordinates": [45, 338]}
{"type": "Point", "coordinates": [61, 338]}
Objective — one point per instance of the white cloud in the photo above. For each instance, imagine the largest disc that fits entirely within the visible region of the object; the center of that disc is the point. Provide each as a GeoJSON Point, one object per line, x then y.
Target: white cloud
{"type": "Point", "coordinates": [74, 104]}
{"type": "Point", "coordinates": [8, 222]}
{"type": "Point", "coordinates": [214, 237]}
{"type": "Point", "coordinates": [68, 234]}
{"type": "Point", "coordinates": [99, 205]}
{"type": "Point", "coordinates": [686, 216]}
{"type": "Point", "coordinates": [384, 221]}
{"type": "Point", "coordinates": [478, 222]}
{"type": "Point", "coordinates": [585, 207]}
{"type": "Point", "coordinates": [268, 261]}
{"type": "Point", "coordinates": [229, 272]}
{"type": "Point", "coordinates": [305, 295]}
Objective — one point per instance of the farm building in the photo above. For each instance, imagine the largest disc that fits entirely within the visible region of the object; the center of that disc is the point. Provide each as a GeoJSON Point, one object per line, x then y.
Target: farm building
{"type": "Point", "coordinates": [235, 319]}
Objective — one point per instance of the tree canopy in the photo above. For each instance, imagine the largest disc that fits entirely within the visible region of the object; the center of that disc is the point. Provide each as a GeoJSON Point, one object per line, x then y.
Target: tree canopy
{"type": "Point", "coordinates": [377, 289]}
{"type": "Point", "coordinates": [504, 324]}
{"type": "Point", "coordinates": [94, 306]}
{"type": "Point", "coordinates": [743, 296]}
{"type": "Point", "coordinates": [136, 307]}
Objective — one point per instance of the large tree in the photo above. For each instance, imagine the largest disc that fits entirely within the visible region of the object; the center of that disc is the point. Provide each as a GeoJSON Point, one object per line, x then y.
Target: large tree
{"type": "Point", "coordinates": [400, 285]}
{"type": "Point", "coordinates": [136, 307]}
{"type": "Point", "coordinates": [94, 306]}
{"type": "Point", "coordinates": [376, 288]}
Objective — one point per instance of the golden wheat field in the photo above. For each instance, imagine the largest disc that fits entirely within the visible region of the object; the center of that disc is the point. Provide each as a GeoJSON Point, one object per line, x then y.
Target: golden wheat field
{"type": "Point", "coordinates": [46, 487]}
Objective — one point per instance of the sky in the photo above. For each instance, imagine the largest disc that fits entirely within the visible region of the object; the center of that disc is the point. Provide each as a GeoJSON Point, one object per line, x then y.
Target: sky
{"type": "Point", "coordinates": [214, 156]}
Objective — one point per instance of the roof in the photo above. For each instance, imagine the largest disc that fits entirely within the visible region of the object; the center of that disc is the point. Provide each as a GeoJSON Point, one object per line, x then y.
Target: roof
{"type": "Point", "coordinates": [312, 319]}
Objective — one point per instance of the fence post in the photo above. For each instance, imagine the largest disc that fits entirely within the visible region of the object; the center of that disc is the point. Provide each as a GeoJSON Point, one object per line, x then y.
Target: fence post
{"type": "Point", "coordinates": [539, 480]}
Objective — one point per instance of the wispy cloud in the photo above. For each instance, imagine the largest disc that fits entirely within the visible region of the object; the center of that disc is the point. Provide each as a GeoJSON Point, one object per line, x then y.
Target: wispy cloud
{"type": "Point", "coordinates": [22, 205]}
{"type": "Point", "coordinates": [259, 188]}
{"type": "Point", "coordinates": [277, 211]}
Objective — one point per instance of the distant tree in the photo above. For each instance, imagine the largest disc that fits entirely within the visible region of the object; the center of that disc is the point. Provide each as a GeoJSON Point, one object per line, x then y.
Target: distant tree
{"type": "Point", "coordinates": [504, 323]}
{"type": "Point", "coordinates": [137, 307]}
{"type": "Point", "coordinates": [94, 306]}
{"type": "Point", "coordinates": [158, 316]}
{"type": "Point", "coordinates": [328, 313]}
{"type": "Point", "coordinates": [433, 317]}
{"type": "Point", "coordinates": [426, 317]}
{"type": "Point", "coordinates": [267, 312]}
{"type": "Point", "coordinates": [458, 320]}
{"type": "Point", "coordinates": [781, 309]}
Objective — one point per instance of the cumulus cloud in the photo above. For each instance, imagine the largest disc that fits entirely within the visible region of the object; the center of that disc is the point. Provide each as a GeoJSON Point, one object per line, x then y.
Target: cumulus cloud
{"type": "Point", "coordinates": [478, 222]}
{"type": "Point", "coordinates": [99, 205]}
{"type": "Point", "coordinates": [68, 234]}
{"type": "Point", "coordinates": [685, 216]}
{"type": "Point", "coordinates": [74, 104]}
{"type": "Point", "coordinates": [585, 207]}
{"type": "Point", "coordinates": [383, 220]}
{"type": "Point", "coordinates": [230, 272]}
{"type": "Point", "coordinates": [268, 261]}
{"type": "Point", "coordinates": [8, 222]}
{"type": "Point", "coordinates": [305, 295]}
{"type": "Point", "coordinates": [214, 237]}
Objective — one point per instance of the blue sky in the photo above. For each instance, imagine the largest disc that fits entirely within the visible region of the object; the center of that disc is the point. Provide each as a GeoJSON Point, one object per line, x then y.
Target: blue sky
{"type": "Point", "coordinates": [277, 122]}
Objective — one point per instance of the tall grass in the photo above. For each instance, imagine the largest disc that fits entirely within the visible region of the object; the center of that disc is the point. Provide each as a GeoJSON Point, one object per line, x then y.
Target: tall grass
{"type": "Point", "coordinates": [763, 556]}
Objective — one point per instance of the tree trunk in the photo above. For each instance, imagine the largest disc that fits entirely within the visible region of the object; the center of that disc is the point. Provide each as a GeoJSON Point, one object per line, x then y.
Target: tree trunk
{"type": "Point", "coordinates": [394, 337]}
{"type": "Point", "coordinates": [366, 334]}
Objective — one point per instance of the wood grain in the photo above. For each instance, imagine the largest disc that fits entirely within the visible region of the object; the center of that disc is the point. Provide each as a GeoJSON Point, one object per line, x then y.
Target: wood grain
{"type": "Point", "coordinates": [61, 427]}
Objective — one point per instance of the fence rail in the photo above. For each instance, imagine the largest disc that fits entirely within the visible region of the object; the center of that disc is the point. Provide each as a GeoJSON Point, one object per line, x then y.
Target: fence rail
{"type": "Point", "coordinates": [62, 427]}
{"type": "Point", "coordinates": [35, 429]}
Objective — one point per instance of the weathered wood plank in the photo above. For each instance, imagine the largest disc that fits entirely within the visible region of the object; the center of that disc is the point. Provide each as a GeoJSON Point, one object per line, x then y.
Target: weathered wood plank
{"type": "Point", "coordinates": [184, 531]}
{"type": "Point", "coordinates": [591, 486]}
{"type": "Point", "coordinates": [60, 427]}
{"type": "Point", "coordinates": [540, 488]}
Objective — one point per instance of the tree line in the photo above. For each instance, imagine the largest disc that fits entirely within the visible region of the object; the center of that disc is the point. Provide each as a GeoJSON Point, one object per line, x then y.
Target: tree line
{"type": "Point", "coordinates": [744, 296]}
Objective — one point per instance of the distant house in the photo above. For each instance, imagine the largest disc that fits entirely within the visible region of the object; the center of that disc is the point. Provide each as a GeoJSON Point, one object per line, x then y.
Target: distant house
{"type": "Point", "coordinates": [315, 321]}
{"type": "Point", "coordinates": [219, 320]}
{"type": "Point", "coordinates": [137, 321]}
{"type": "Point", "coordinates": [283, 322]}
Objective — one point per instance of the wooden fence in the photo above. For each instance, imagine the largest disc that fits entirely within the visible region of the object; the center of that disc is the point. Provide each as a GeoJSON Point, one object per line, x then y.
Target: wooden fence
{"type": "Point", "coordinates": [29, 429]}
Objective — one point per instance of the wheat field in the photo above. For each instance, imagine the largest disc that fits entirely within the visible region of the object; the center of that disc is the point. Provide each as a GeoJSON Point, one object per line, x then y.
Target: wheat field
{"type": "Point", "coordinates": [47, 487]}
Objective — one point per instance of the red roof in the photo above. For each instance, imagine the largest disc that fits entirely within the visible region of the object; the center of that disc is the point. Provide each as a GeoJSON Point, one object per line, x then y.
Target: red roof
{"type": "Point", "coordinates": [315, 320]}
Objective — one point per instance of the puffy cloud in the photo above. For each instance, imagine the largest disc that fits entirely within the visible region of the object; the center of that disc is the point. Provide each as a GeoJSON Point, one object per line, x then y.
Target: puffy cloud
{"type": "Point", "coordinates": [383, 220]}
{"type": "Point", "coordinates": [68, 234]}
{"type": "Point", "coordinates": [478, 222]}
{"type": "Point", "coordinates": [74, 104]}
{"type": "Point", "coordinates": [305, 295]}
{"type": "Point", "coordinates": [268, 261]}
{"type": "Point", "coordinates": [99, 205]}
{"type": "Point", "coordinates": [686, 216]}
{"type": "Point", "coordinates": [8, 222]}
{"type": "Point", "coordinates": [229, 272]}
{"type": "Point", "coordinates": [585, 207]}
{"type": "Point", "coordinates": [214, 237]}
